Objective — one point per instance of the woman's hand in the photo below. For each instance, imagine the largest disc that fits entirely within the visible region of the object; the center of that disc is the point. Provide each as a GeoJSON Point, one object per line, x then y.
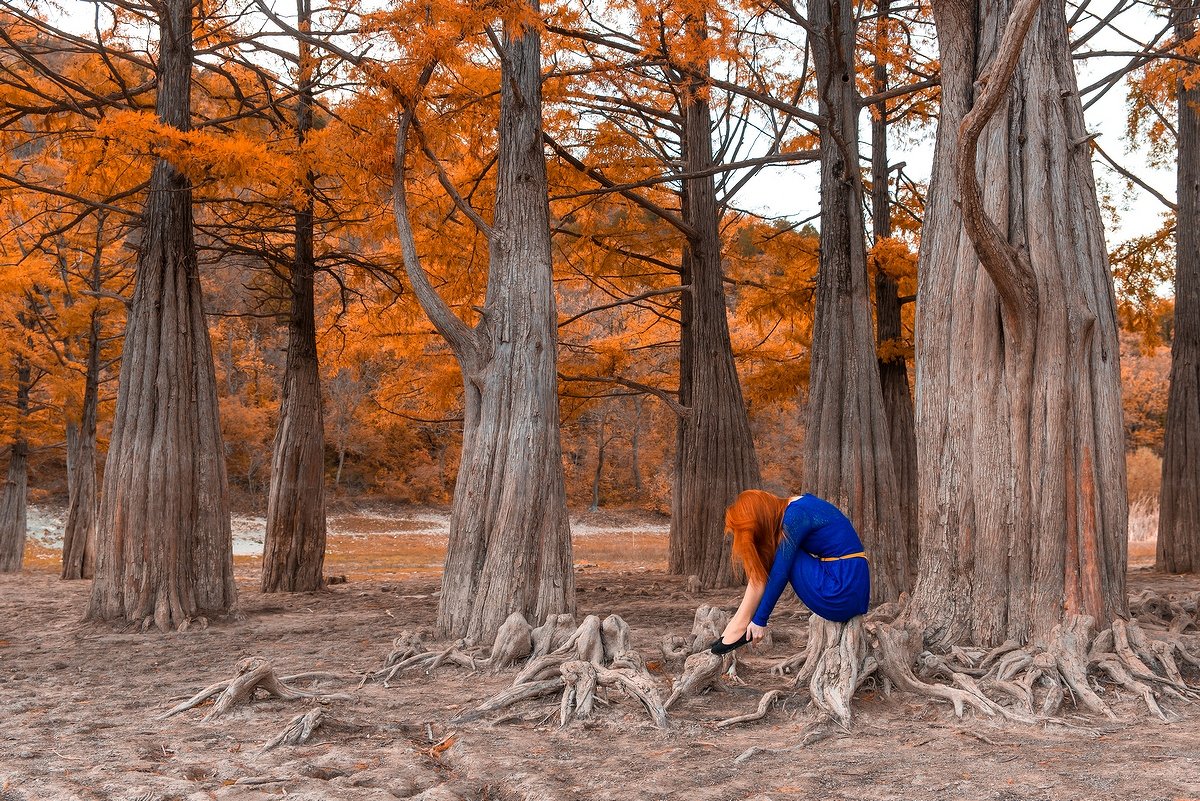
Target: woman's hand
{"type": "Point", "coordinates": [755, 632]}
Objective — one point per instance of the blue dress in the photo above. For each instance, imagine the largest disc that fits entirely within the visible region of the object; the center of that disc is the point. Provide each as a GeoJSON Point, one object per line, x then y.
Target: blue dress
{"type": "Point", "coordinates": [836, 590]}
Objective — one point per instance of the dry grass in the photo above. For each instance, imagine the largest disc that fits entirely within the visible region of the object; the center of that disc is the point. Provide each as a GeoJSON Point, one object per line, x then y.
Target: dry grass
{"type": "Point", "coordinates": [1143, 520]}
{"type": "Point", "coordinates": [1143, 531]}
{"type": "Point", "coordinates": [1143, 469]}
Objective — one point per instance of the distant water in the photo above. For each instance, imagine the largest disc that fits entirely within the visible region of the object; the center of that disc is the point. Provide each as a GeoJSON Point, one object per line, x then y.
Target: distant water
{"type": "Point", "coordinates": [46, 524]}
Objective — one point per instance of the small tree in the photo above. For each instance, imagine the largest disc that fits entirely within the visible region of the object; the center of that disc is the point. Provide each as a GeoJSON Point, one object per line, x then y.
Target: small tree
{"type": "Point", "coordinates": [294, 551]}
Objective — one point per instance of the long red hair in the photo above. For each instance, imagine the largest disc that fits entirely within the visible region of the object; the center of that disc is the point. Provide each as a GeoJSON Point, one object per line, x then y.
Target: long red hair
{"type": "Point", "coordinates": [756, 520]}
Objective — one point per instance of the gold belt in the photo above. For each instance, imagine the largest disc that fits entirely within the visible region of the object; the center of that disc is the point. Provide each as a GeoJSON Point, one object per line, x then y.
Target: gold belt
{"type": "Point", "coordinates": [862, 554]}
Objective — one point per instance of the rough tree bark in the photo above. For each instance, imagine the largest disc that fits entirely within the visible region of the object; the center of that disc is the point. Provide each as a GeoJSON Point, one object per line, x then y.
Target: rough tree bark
{"type": "Point", "coordinates": [294, 551]}
{"type": "Point", "coordinates": [509, 548]}
{"type": "Point", "coordinates": [715, 459]}
{"type": "Point", "coordinates": [164, 547]}
{"type": "Point", "coordinates": [1179, 502]}
{"type": "Point", "coordinates": [12, 498]}
{"type": "Point", "coordinates": [893, 370]}
{"type": "Point", "coordinates": [847, 446]}
{"type": "Point", "coordinates": [1021, 463]}
{"type": "Point", "coordinates": [79, 535]}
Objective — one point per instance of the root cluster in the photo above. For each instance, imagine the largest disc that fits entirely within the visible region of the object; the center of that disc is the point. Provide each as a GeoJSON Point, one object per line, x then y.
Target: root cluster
{"type": "Point", "coordinates": [409, 651]}
{"type": "Point", "coordinates": [576, 661]}
{"type": "Point", "coordinates": [1012, 681]}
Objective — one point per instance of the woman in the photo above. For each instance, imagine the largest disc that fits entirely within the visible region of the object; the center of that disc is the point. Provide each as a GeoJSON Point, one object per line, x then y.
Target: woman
{"type": "Point", "coordinates": [804, 540]}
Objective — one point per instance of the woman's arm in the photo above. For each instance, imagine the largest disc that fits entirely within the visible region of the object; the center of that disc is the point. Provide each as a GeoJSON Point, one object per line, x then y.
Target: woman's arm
{"type": "Point", "coordinates": [781, 571]}
{"type": "Point", "coordinates": [741, 618]}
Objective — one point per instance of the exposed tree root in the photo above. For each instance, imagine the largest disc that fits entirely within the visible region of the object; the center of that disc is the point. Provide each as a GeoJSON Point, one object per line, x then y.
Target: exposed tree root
{"type": "Point", "coordinates": [1018, 683]}
{"type": "Point", "coordinates": [512, 644]}
{"type": "Point", "coordinates": [580, 680]}
{"type": "Point", "coordinates": [409, 651]}
{"type": "Point", "coordinates": [765, 703]}
{"type": "Point", "coordinates": [701, 672]}
{"type": "Point", "coordinates": [702, 669]}
{"type": "Point", "coordinates": [513, 695]}
{"type": "Point", "coordinates": [298, 730]}
{"type": "Point", "coordinates": [252, 674]}
{"type": "Point", "coordinates": [551, 635]}
{"type": "Point", "coordinates": [596, 654]}
{"type": "Point", "coordinates": [1177, 612]}
{"type": "Point", "coordinates": [593, 641]}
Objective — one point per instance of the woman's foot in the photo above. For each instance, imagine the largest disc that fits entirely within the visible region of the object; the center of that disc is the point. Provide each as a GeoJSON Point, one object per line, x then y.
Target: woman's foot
{"type": "Point", "coordinates": [719, 645]}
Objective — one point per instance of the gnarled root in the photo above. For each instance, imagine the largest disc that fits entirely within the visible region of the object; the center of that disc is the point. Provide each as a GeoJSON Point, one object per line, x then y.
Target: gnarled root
{"type": "Point", "coordinates": [675, 648]}
{"type": "Point", "coordinates": [401, 658]}
{"type": "Point", "coordinates": [252, 674]}
{"type": "Point", "coordinates": [701, 672]}
{"type": "Point", "coordinates": [298, 730]}
{"type": "Point", "coordinates": [593, 642]}
{"type": "Point", "coordinates": [896, 649]}
{"type": "Point", "coordinates": [513, 695]}
{"type": "Point", "coordinates": [765, 703]}
{"type": "Point", "coordinates": [551, 635]}
{"type": "Point", "coordinates": [581, 679]}
{"type": "Point", "coordinates": [1176, 612]}
{"type": "Point", "coordinates": [513, 642]}
{"type": "Point", "coordinates": [1019, 683]}
{"type": "Point", "coordinates": [702, 669]}
{"type": "Point", "coordinates": [835, 675]}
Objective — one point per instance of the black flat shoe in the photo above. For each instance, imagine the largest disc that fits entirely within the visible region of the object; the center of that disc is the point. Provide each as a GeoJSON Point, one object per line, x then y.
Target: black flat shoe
{"type": "Point", "coordinates": [719, 646]}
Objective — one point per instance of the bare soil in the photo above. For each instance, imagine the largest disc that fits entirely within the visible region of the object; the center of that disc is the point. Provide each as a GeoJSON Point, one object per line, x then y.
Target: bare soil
{"type": "Point", "coordinates": [79, 706]}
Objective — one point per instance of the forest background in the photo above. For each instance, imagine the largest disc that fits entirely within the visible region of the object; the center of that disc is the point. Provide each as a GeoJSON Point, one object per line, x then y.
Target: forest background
{"type": "Point", "coordinates": [73, 177]}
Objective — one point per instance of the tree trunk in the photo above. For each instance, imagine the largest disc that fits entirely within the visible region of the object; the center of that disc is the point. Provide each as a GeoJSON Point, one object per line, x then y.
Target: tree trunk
{"type": "Point", "coordinates": [13, 498]}
{"type": "Point", "coordinates": [164, 545]}
{"type": "Point", "coordinates": [79, 536]}
{"type": "Point", "coordinates": [893, 371]}
{"type": "Point", "coordinates": [847, 445]}
{"type": "Point", "coordinates": [1021, 463]}
{"type": "Point", "coordinates": [1179, 502]}
{"type": "Point", "coordinates": [601, 443]}
{"type": "Point", "coordinates": [635, 469]}
{"type": "Point", "coordinates": [509, 548]}
{"type": "Point", "coordinates": [716, 459]}
{"type": "Point", "coordinates": [294, 551]}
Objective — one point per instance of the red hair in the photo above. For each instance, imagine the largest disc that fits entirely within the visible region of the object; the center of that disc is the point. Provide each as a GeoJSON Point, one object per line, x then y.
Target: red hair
{"type": "Point", "coordinates": [756, 520]}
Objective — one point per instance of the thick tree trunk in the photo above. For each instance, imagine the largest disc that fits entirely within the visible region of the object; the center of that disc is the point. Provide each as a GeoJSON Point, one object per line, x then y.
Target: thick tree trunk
{"type": "Point", "coordinates": [1021, 463]}
{"type": "Point", "coordinates": [510, 546]}
{"type": "Point", "coordinates": [716, 460]}
{"type": "Point", "coordinates": [893, 371]}
{"type": "Point", "coordinates": [79, 536]}
{"type": "Point", "coordinates": [294, 551]}
{"type": "Point", "coordinates": [1179, 506]}
{"type": "Point", "coordinates": [164, 546]}
{"type": "Point", "coordinates": [847, 446]}
{"type": "Point", "coordinates": [13, 497]}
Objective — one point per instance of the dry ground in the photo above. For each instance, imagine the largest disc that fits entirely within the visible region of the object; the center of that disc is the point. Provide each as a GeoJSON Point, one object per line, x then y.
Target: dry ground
{"type": "Point", "coordinates": [78, 706]}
